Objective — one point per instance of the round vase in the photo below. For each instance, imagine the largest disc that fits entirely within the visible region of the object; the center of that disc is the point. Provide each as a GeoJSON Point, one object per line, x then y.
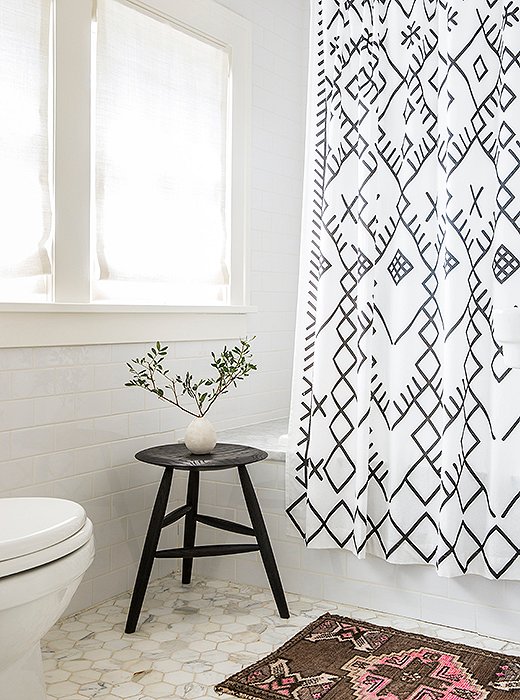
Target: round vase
{"type": "Point", "coordinates": [200, 437]}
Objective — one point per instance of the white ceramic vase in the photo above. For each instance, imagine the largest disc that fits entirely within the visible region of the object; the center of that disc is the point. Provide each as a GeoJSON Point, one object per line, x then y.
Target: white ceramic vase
{"type": "Point", "coordinates": [200, 436]}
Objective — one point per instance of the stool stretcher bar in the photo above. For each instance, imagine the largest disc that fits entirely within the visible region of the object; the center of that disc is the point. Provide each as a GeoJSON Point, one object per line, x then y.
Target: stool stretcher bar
{"type": "Point", "coordinates": [209, 550]}
{"type": "Point", "coordinates": [175, 515]}
{"type": "Point", "coordinates": [228, 525]}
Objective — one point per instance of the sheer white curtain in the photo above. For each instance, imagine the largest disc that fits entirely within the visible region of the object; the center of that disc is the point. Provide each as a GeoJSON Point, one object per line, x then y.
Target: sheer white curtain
{"type": "Point", "coordinates": [25, 211]}
{"type": "Point", "coordinates": [160, 190]}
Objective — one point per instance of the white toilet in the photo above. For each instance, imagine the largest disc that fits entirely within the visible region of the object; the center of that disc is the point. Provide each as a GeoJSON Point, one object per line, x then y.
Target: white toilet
{"type": "Point", "coordinates": [46, 545]}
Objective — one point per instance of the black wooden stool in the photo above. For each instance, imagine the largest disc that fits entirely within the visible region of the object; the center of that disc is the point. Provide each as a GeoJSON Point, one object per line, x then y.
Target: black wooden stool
{"type": "Point", "coordinates": [223, 457]}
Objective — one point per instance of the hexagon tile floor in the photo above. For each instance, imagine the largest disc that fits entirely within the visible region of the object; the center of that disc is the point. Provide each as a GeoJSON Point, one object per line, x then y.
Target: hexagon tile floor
{"type": "Point", "coordinates": [191, 638]}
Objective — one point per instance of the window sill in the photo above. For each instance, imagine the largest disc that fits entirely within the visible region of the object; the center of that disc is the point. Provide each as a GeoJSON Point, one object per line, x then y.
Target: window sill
{"type": "Point", "coordinates": [34, 325]}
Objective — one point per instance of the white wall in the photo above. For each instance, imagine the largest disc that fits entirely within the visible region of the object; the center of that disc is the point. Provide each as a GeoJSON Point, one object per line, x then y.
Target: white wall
{"type": "Point", "coordinates": [69, 429]}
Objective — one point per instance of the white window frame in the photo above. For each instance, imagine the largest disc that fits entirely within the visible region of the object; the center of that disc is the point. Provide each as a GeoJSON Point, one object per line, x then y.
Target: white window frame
{"type": "Point", "coordinates": [72, 319]}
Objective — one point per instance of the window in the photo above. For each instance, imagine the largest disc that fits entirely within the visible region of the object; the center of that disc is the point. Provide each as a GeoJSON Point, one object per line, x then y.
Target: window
{"type": "Point", "coordinates": [25, 209]}
{"type": "Point", "coordinates": [150, 117]}
{"type": "Point", "coordinates": [161, 150]}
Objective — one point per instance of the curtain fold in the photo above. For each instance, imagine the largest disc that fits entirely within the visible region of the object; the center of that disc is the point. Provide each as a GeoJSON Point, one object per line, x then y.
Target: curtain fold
{"type": "Point", "coordinates": [404, 428]}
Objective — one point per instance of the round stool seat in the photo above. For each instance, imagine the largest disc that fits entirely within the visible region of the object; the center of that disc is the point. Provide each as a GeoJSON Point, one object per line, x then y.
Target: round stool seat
{"type": "Point", "coordinates": [223, 456]}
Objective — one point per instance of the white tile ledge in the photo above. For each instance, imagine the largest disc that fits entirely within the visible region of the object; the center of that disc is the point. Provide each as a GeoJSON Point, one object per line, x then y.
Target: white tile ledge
{"type": "Point", "coordinates": [268, 436]}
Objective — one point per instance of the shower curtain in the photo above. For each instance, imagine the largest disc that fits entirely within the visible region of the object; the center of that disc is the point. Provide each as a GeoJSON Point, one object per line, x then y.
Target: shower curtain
{"type": "Point", "coordinates": [404, 437]}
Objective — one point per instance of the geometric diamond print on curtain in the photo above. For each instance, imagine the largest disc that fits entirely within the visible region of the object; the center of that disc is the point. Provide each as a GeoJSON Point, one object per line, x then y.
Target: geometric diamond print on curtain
{"type": "Point", "coordinates": [410, 238]}
{"type": "Point", "coordinates": [324, 265]}
{"type": "Point", "coordinates": [364, 264]}
{"type": "Point", "coordinates": [480, 68]}
{"type": "Point", "coordinates": [399, 267]}
{"type": "Point", "coordinates": [505, 264]}
{"type": "Point", "coordinates": [450, 262]}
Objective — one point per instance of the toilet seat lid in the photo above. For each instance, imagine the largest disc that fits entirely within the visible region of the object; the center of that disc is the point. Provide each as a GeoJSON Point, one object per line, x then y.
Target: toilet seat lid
{"type": "Point", "coordinates": [29, 525]}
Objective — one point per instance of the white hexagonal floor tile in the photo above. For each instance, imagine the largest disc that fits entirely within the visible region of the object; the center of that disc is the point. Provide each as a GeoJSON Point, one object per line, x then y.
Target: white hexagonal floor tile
{"type": "Point", "coordinates": [62, 690]}
{"type": "Point", "coordinates": [190, 639]}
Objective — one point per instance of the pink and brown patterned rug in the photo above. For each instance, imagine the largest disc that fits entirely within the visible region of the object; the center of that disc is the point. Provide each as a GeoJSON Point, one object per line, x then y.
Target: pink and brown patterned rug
{"type": "Point", "coordinates": [337, 658]}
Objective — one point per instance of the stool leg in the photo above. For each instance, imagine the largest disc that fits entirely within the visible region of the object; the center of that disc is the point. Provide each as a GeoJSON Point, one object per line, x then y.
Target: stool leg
{"type": "Point", "coordinates": [266, 551]}
{"type": "Point", "coordinates": [149, 549]}
{"type": "Point", "coordinates": [190, 523]}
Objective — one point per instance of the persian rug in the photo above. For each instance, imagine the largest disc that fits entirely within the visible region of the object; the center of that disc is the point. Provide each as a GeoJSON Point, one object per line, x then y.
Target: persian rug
{"type": "Point", "coordinates": [337, 658]}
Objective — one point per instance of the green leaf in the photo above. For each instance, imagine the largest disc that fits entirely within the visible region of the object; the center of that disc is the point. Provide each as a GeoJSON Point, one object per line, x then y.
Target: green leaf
{"type": "Point", "coordinates": [231, 365]}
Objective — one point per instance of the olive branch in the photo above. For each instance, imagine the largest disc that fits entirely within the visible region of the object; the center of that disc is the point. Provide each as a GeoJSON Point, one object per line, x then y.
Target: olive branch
{"type": "Point", "coordinates": [232, 365]}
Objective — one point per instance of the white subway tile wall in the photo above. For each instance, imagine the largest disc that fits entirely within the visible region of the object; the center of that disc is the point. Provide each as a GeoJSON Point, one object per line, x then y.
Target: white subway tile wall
{"type": "Point", "coordinates": [68, 427]}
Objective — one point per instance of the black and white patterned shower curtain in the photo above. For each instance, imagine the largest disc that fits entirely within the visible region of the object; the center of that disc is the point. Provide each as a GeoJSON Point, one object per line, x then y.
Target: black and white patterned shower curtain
{"type": "Point", "coordinates": [404, 437]}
